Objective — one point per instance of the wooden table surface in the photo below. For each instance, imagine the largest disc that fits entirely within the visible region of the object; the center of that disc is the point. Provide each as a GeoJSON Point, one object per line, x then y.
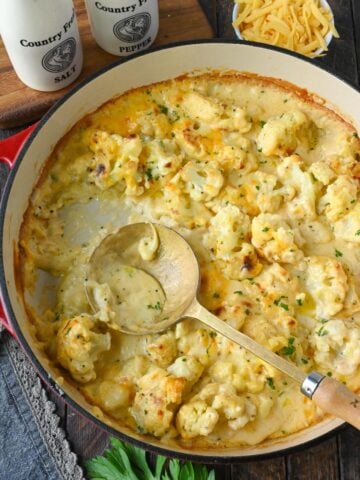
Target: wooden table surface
{"type": "Point", "coordinates": [334, 458]}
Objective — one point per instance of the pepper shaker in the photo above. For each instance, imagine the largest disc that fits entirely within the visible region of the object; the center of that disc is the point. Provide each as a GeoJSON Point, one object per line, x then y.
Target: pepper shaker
{"type": "Point", "coordinates": [42, 40]}
{"type": "Point", "coordinates": [123, 27]}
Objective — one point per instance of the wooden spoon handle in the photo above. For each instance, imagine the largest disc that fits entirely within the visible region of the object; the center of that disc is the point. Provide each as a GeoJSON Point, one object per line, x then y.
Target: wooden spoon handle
{"type": "Point", "coordinates": [333, 397]}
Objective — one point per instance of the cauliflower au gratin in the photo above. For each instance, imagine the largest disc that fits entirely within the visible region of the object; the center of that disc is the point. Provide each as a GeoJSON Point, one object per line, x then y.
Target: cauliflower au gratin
{"type": "Point", "coordinates": [263, 181]}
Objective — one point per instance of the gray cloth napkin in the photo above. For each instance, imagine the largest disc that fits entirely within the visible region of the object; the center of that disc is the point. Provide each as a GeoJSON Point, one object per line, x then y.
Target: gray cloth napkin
{"type": "Point", "coordinates": [32, 446]}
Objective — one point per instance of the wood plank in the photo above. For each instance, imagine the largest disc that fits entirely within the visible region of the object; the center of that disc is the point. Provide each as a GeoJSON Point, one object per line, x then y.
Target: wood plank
{"type": "Point", "coordinates": [341, 56]}
{"type": "Point", "coordinates": [316, 463]}
{"type": "Point", "coordinates": [356, 30]}
{"type": "Point", "coordinates": [342, 52]}
{"type": "Point", "coordinates": [274, 469]}
{"type": "Point", "coordinates": [85, 437]}
{"type": "Point", "coordinates": [348, 450]}
{"type": "Point", "coordinates": [209, 7]}
{"type": "Point", "coordinates": [178, 22]}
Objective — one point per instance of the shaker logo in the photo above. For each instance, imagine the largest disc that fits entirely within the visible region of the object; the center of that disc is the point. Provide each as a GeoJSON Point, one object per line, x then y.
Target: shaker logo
{"type": "Point", "coordinates": [60, 57]}
{"type": "Point", "coordinates": [132, 29]}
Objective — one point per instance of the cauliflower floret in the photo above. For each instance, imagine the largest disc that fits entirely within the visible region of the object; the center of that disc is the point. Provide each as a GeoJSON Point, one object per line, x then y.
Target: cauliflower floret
{"type": "Point", "coordinates": [274, 239]}
{"type": "Point", "coordinates": [327, 283]}
{"type": "Point", "coordinates": [198, 106]}
{"type": "Point", "coordinates": [237, 410]}
{"type": "Point", "coordinates": [175, 208]}
{"type": "Point", "coordinates": [201, 343]}
{"type": "Point", "coordinates": [348, 227]}
{"type": "Point", "coordinates": [322, 172]}
{"type": "Point", "coordinates": [315, 232]}
{"type": "Point", "coordinates": [279, 135]}
{"type": "Point", "coordinates": [237, 161]}
{"type": "Point", "coordinates": [227, 230]}
{"type": "Point", "coordinates": [196, 418]}
{"type": "Point", "coordinates": [339, 198]}
{"type": "Point", "coordinates": [114, 395]}
{"type": "Point", "coordinates": [242, 264]}
{"type": "Point", "coordinates": [103, 298]}
{"type": "Point", "coordinates": [163, 350]}
{"type": "Point", "coordinates": [303, 204]}
{"type": "Point", "coordinates": [202, 181]}
{"type": "Point", "coordinates": [157, 396]}
{"type": "Point", "coordinates": [116, 160]}
{"type": "Point", "coordinates": [188, 367]}
{"type": "Point", "coordinates": [163, 159]}
{"type": "Point", "coordinates": [261, 193]}
{"type": "Point", "coordinates": [79, 347]}
{"type": "Point", "coordinates": [236, 120]}
{"type": "Point", "coordinates": [135, 367]}
{"type": "Point", "coordinates": [222, 372]}
{"type": "Point", "coordinates": [337, 347]}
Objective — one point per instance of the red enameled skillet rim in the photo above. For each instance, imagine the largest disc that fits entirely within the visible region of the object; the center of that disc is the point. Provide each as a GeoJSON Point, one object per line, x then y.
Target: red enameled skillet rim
{"type": "Point", "coordinates": [210, 456]}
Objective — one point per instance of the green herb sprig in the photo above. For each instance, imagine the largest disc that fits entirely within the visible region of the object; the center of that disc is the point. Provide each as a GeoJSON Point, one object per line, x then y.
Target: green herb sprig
{"type": "Point", "coordinates": [126, 462]}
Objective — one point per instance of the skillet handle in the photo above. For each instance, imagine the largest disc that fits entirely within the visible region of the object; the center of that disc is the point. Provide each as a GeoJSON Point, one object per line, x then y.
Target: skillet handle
{"type": "Point", "coordinates": [11, 146]}
{"type": "Point", "coordinates": [4, 321]}
{"type": "Point", "coordinates": [9, 150]}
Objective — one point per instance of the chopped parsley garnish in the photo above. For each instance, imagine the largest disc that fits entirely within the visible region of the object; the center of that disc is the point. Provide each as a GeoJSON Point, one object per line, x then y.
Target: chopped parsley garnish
{"type": "Point", "coordinates": [338, 253]}
{"type": "Point", "coordinates": [304, 361]}
{"type": "Point", "coordinates": [322, 332]}
{"type": "Point", "coordinates": [265, 229]}
{"type": "Point", "coordinates": [156, 306]}
{"type": "Point", "coordinates": [358, 232]}
{"type": "Point", "coordinates": [290, 348]}
{"type": "Point", "coordinates": [148, 174]}
{"type": "Point", "coordinates": [239, 292]}
{"type": "Point", "coordinates": [262, 123]}
{"type": "Point", "coordinates": [281, 304]}
{"type": "Point", "coordinates": [163, 109]}
{"type": "Point", "coordinates": [299, 301]}
{"type": "Point", "coordinates": [270, 382]}
{"type": "Point", "coordinates": [216, 295]}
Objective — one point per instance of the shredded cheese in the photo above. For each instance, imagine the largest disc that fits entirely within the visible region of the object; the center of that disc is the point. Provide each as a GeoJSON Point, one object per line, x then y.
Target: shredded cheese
{"type": "Point", "coordinates": [298, 25]}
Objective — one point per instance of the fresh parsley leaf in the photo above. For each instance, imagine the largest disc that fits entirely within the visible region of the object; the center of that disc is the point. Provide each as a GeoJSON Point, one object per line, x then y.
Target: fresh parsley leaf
{"type": "Point", "coordinates": [270, 382]}
{"type": "Point", "coordinates": [290, 348]}
{"type": "Point", "coordinates": [338, 253]}
{"type": "Point", "coordinates": [357, 233]}
{"type": "Point", "coordinates": [123, 461]}
{"type": "Point", "coordinates": [322, 332]}
{"type": "Point", "coordinates": [281, 304]}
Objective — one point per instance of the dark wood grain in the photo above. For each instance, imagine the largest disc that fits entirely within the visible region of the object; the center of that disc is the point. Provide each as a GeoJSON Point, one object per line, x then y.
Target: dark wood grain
{"type": "Point", "coordinates": [274, 469]}
{"type": "Point", "coordinates": [356, 30]}
{"type": "Point", "coordinates": [86, 438]}
{"type": "Point", "coordinates": [316, 463]}
{"type": "Point", "coordinates": [348, 453]}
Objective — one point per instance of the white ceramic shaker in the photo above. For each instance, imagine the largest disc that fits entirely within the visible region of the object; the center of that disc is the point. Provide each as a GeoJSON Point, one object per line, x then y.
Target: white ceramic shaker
{"type": "Point", "coordinates": [42, 40]}
{"type": "Point", "coordinates": [123, 27]}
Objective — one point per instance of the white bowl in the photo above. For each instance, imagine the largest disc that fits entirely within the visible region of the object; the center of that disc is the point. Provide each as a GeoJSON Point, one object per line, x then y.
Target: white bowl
{"type": "Point", "coordinates": [328, 37]}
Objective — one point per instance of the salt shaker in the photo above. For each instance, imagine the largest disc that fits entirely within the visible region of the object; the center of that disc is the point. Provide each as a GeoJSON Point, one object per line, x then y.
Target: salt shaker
{"type": "Point", "coordinates": [123, 27]}
{"type": "Point", "coordinates": [42, 40]}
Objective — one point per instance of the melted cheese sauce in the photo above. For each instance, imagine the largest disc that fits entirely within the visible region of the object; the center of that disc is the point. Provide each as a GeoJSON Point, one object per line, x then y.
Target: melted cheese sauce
{"type": "Point", "coordinates": [263, 183]}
